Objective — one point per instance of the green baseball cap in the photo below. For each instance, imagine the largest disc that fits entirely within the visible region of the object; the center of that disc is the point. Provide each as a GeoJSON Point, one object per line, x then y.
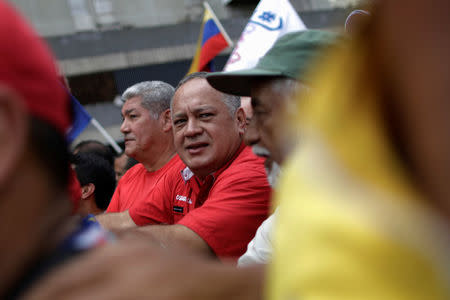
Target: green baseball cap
{"type": "Point", "coordinates": [290, 57]}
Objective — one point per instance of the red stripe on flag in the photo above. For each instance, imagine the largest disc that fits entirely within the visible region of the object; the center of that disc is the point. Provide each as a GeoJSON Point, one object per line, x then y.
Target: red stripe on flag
{"type": "Point", "coordinates": [210, 49]}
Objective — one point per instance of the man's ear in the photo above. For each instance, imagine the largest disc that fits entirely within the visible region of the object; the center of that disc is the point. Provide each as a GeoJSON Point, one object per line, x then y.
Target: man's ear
{"type": "Point", "coordinates": [87, 190]}
{"type": "Point", "coordinates": [166, 120]}
{"type": "Point", "coordinates": [240, 119]}
{"type": "Point", "coordinates": [14, 121]}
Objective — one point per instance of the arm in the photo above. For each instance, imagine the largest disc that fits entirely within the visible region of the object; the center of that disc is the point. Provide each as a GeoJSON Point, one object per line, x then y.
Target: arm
{"type": "Point", "coordinates": [227, 282]}
{"type": "Point", "coordinates": [146, 272]}
{"type": "Point", "coordinates": [116, 221]}
{"type": "Point", "coordinates": [170, 236]}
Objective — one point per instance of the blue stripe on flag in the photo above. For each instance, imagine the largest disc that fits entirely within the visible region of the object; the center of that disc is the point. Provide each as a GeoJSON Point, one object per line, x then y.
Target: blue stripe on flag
{"type": "Point", "coordinates": [210, 29]}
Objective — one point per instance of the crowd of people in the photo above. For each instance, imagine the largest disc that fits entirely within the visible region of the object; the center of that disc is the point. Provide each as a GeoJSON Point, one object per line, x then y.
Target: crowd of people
{"type": "Point", "coordinates": [320, 173]}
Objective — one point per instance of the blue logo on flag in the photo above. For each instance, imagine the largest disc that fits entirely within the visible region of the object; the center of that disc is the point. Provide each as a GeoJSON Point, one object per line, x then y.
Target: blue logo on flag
{"type": "Point", "coordinates": [267, 16]}
{"type": "Point", "coordinates": [268, 21]}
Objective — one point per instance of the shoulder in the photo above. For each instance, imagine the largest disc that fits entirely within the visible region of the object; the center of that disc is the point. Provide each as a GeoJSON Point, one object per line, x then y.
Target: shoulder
{"type": "Point", "coordinates": [175, 164]}
{"type": "Point", "coordinates": [246, 165]}
{"type": "Point", "coordinates": [133, 173]}
{"type": "Point", "coordinates": [173, 170]}
{"type": "Point", "coordinates": [245, 176]}
{"type": "Point", "coordinates": [248, 157]}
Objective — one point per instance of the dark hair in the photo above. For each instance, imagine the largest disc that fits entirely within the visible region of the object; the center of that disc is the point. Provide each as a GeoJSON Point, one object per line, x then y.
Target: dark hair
{"type": "Point", "coordinates": [231, 101]}
{"type": "Point", "coordinates": [51, 149]}
{"type": "Point", "coordinates": [93, 146]}
{"type": "Point", "coordinates": [92, 168]}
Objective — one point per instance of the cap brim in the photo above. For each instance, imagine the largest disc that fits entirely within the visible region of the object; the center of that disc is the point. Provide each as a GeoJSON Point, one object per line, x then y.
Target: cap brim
{"type": "Point", "coordinates": [238, 82]}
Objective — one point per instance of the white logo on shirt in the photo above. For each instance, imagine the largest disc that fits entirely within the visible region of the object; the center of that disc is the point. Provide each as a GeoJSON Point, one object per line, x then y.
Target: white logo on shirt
{"type": "Point", "coordinates": [187, 174]}
{"type": "Point", "coordinates": [184, 199]}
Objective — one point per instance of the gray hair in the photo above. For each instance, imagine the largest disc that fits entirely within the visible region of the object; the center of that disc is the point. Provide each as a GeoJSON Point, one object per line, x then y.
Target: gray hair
{"type": "Point", "coordinates": [155, 95]}
{"type": "Point", "coordinates": [231, 101]}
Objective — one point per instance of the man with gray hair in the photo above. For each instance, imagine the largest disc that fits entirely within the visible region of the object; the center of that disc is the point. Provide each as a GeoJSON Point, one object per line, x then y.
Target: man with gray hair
{"type": "Point", "coordinates": [147, 130]}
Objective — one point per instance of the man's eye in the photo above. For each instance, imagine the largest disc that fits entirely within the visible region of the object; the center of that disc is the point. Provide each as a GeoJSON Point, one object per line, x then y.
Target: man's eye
{"type": "Point", "coordinates": [179, 121]}
{"type": "Point", "coordinates": [205, 115]}
{"type": "Point", "coordinates": [133, 116]}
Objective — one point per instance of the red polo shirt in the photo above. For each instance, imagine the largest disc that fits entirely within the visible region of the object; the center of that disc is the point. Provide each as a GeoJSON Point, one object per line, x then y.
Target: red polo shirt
{"type": "Point", "coordinates": [224, 210]}
{"type": "Point", "coordinates": [139, 185]}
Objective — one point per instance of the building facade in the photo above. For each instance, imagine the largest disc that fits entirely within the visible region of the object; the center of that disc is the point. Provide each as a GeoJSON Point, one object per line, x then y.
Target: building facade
{"type": "Point", "coordinates": [104, 46]}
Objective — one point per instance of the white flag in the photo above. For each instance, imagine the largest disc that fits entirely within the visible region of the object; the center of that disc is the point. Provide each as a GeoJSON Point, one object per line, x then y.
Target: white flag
{"type": "Point", "coordinates": [270, 20]}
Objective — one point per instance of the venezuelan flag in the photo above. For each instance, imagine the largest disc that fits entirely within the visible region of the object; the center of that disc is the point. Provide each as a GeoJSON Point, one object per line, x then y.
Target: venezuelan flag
{"type": "Point", "coordinates": [212, 40]}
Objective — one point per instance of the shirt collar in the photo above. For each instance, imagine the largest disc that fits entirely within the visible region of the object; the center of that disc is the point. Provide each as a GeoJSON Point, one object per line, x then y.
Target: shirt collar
{"type": "Point", "coordinates": [187, 174]}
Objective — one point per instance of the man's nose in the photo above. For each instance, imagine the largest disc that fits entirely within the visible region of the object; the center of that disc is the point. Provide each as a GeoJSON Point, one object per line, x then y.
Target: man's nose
{"type": "Point", "coordinates": [124, 128]}
{"type": "Point", "coordinates": [193, 128]}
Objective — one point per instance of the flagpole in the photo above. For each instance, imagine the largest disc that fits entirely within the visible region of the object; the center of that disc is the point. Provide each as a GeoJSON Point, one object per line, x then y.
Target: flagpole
{"type": "Point", "coordinates": [227, 38]}
{"type": "Point", "coordinates": [109, 138]}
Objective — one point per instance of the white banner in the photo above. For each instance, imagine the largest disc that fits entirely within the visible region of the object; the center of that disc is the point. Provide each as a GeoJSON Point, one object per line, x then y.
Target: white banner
{"type": "Point", "coordinates": [270, 20]}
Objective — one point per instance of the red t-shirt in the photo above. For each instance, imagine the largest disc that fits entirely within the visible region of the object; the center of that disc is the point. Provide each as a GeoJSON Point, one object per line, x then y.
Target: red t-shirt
{"type": "Point", "coordinates": [138, 185]}
{"type": "Point", "coordinates": [227, 217]}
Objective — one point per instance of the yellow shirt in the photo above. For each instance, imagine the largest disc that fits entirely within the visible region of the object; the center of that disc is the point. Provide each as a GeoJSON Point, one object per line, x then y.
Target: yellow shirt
{"type": "Point", "coordinates": [351, 224]}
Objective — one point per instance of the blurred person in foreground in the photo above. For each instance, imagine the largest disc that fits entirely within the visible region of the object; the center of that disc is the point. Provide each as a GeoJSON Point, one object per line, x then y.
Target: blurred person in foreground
{"type": "Point", "coordinates": [97, 180]}
{"type": "Point", "coordinates": [35, 233]}
{"type": "Point", "coordinates": [365, 210]}
{"type": "Point", "coordinates": [271, 84]}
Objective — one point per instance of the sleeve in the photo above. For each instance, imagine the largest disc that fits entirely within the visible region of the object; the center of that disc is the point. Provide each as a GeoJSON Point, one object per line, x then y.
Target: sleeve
{"type": "Point", "coordinates": [235, 208]}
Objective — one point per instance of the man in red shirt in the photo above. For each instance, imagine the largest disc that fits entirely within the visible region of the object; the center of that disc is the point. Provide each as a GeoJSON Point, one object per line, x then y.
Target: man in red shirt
{"type": "Point", "coordinates": [147, 130]}
{"type": "Point", "coordinates": [220, 198]}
